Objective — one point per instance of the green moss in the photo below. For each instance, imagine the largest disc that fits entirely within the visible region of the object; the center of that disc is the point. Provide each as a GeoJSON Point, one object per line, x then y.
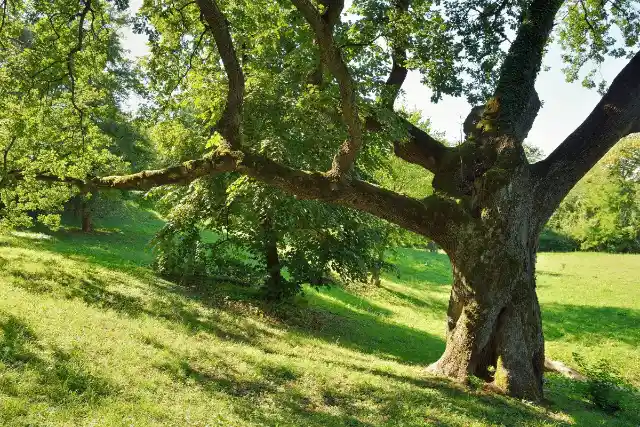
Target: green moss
{"type": "Point", "coordinates": [496, 178]}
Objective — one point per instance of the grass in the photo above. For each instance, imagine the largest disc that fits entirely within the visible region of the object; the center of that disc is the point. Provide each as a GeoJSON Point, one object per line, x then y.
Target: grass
{"type": "Point", "coordinates": [89, 336]}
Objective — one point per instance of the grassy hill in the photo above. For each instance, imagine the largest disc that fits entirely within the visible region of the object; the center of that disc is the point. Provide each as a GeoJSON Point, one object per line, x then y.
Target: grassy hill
{"type": "Point", "coordinates": [89, 336]}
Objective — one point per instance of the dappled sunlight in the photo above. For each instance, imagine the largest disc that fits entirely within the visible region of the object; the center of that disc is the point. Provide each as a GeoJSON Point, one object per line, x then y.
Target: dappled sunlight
{"type": "Point", "coordinates": [31, 235]}
{"type": "Point", "coordinates": [104, 342]}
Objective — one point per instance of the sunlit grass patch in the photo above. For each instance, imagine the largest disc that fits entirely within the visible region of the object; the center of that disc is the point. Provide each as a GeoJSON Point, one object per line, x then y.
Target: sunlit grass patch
{"type": "Point", "coordinates": [90, 336]}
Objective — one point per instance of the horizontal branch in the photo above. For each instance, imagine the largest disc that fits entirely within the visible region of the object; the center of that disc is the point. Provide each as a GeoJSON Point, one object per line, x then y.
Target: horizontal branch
{"type": "Point", "coordinates": [616, 116]}
{"type": "Point", "coordinates": [419, 148]}
{"type": "Point", "coordinates": [433, 217]}
{"type": "Point", "coordinates": [145, 180]}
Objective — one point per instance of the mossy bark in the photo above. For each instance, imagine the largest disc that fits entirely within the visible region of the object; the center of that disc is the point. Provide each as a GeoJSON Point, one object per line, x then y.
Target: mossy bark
{"type": "Point", "coordinates": [494, 326]}
{"type": "Point", "coordinates": [495, 335]}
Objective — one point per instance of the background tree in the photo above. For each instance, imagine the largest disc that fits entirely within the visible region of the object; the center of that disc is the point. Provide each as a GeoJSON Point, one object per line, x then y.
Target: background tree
{"type": "Point", "coordinates": [602, 212]}
{"type": "Point", "coordinates": [489, 203]}
{"type": "Point", "coordinates": [64, 75]}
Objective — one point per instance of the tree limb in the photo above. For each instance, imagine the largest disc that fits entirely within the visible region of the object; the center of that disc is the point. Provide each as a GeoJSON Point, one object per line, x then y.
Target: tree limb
{"type": "Point", "coordinates": [396, 77]}
{"type": "Point", "coordinates": [514, 105]}
{"type": "Point", "coordinates": [434, 216]}
{"type": "Point", "coordinates": [616, 116]}
{"type": "Point", "coordinates": [229, 124]}
{"type": "Point", "coordinates": [332, 58]}
{"type": "Point", "coordinates": [420, 148]}
{"type": "Point", "coordinates": [331, 15]}
{"type": "Point", "coordinates": [398, 72]}
{"type": "Point", "coordinates": [71, 65]}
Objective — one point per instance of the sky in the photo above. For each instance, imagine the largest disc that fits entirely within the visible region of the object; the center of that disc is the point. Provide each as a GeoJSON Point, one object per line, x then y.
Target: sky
{"type": "Point", "coordinates": [565, 105]}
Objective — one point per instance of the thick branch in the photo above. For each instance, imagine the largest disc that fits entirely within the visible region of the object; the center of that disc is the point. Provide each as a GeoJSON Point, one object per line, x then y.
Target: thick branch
{"type": "Point", "coordinates": [396, 77]}
{"type": "Point", "coordinates": [229, 123]}
{"type": "Point", "coordinates": [181, 174]}
{"type": "Point", "coordinates": [616, 116]}
{"type": "Point", "coordinates": [419, 148]}
{"type": "Point", "coordinates": [398, 58]}
{"type": "Point", "coordinates": [331, 15]}
{"type": "Point", "coordinates": [332, 58]}
{"type": "Point", "coordinates": [514, 105]}
{"type": "Point", "coordinates": [433, 217]}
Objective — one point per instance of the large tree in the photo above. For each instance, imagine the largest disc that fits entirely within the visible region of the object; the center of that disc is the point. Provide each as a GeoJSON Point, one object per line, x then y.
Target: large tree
{"type": "Point", "coordinates": [488, 205]}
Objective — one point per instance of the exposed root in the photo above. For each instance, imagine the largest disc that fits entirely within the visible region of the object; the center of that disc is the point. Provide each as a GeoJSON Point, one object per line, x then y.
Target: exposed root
{"type": "Point", "coordinates": [561, 368]}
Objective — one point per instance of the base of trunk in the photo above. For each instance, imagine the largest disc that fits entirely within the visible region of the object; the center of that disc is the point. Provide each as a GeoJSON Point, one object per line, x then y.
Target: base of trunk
{"type": "Point", "coordinates": [500, 342]}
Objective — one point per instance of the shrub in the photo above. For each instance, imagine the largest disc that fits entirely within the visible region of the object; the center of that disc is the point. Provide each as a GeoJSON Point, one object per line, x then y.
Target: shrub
{"type": "Point", "coordinates": [605, 387]}
{"type": "Point", "coordinates": [553, 241]}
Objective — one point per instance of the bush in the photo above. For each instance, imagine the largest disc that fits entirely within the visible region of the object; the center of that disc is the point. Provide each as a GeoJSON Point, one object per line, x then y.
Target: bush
{"type": "Point", "coordinates": [605, 387]}
{"type": "Point", "coordinates": [553, 241]}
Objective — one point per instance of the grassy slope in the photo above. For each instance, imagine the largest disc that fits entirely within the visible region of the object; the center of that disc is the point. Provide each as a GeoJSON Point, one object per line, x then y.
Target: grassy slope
{"type": "Point", "coordinates": [88, 336]}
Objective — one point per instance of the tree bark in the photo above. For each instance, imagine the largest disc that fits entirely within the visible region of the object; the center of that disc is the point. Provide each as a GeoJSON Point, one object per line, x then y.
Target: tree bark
{"type": "Point", "coordinates": [275, 286]}
{"type": "Point", "coordinates": [494, 327]}
{"type": "Point", "coordinates": [87, 217]}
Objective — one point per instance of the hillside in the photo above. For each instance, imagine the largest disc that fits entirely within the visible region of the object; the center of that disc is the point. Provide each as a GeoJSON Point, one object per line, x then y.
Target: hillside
{"type": "Point", "coordinates": [89, 336]}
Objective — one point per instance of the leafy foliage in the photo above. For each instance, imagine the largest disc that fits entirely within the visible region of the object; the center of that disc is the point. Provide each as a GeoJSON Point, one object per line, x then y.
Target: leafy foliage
{"type": "Point", "coordinates": [593, 30]}
{"type": "Point", "coordinates": [605, 386]}
{"type": "Point", "coordinates": [603, 211]}
{"type": "Point", "coordinates": [314, 241]}
{"type": "Point", "coordinates": [62, 80]}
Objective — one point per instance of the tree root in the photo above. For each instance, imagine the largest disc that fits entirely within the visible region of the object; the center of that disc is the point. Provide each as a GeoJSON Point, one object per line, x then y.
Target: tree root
{"type": "Point", "coordinates": [561, 368]}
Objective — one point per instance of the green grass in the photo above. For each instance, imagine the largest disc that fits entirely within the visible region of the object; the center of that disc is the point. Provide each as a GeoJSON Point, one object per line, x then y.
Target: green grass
{"type": "Point", "coordinates": [89, 336]}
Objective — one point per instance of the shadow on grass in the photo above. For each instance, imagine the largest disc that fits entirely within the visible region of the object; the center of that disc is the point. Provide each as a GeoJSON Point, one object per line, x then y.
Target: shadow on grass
{"type": "Point", "coordinates": [408, 300]}
{"type": "Point", "coordinates": [398, 399]}
{"type": "Point", "coordinates": [275, 382]}
{"type": "Point", "coordinates": [336, 319]}
{"type": "Point", "coordinates": [182, 307]}
{"type": "Point", "coordinates": [568, 395]}
{"type": "Point", "coordinates": [116, 244]}
{"type": "Point", "coordinates": [588, 323]}
{"type": "Point", "coordinates": [60, 378]}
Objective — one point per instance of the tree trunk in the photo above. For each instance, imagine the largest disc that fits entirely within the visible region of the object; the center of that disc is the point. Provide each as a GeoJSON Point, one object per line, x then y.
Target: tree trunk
{"type": "Point", "coordinates": [275, 284]}
{"type": "Point", "coordinates": [494, 327]}
{"type": "Point", "coordinates": [87, 218]}
{"type": "Point", "coordinates": [375, 275]}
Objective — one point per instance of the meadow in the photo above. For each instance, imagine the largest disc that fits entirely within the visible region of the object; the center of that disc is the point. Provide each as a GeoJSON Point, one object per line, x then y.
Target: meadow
{"type": "Point", "coordinates": [90, 336]}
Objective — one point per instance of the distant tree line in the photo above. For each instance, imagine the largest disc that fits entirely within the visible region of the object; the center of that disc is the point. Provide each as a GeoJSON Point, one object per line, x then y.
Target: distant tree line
{"type": "Point", "coordinates": [602, 212]}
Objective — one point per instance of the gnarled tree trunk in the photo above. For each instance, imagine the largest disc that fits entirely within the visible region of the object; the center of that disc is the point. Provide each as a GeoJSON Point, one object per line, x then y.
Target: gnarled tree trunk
{"type": "Point", "coordinates": [493, 321]}
{"type": "Point", "coordinates": [494, 328]}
